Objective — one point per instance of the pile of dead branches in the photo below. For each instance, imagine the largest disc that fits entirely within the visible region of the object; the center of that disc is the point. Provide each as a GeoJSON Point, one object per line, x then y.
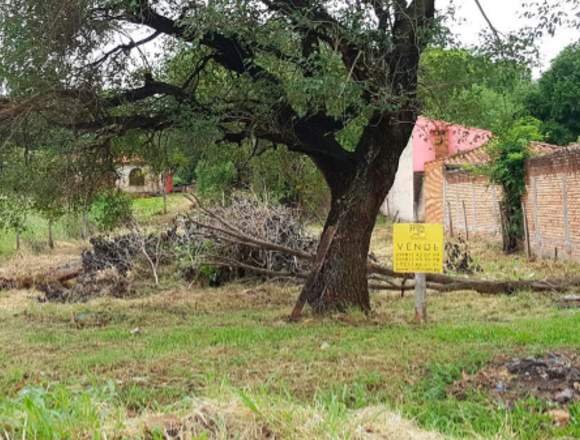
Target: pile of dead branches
{"type": "Point", "coordinates": [246, 237]}
{"type": "Point", "coordinates": [219, 228]}
{"type": "Point", "coordinates": [110, 266]}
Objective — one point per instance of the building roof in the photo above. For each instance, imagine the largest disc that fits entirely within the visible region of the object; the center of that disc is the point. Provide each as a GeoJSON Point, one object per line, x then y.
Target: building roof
{"type": "Point", "coordinates": [431, 136]}
{"type": "Point", "coordinates": [480, 156]}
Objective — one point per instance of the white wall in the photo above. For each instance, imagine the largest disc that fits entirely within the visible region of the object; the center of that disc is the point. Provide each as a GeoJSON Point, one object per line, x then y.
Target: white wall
{"type": "Point", "coordinates": [399, 201]}
{"type": "Point", "coordinates": [152, 182]}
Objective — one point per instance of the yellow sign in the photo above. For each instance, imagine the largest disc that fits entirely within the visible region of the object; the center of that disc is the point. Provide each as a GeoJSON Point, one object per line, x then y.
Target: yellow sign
{"type": "Point", "coordinates": [417, 248]}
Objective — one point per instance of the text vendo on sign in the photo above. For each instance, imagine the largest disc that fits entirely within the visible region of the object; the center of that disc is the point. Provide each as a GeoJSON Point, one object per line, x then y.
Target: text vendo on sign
{"type": "Point", "coordinates": [418, 248]}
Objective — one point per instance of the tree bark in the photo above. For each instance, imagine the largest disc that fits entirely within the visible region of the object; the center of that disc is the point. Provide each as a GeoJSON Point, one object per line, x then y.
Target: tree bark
{"type": "Point", "coordinates": [85, 224]}
{"type": "Point", "coordinates": [339, 276]}
{"type": "Point", "coordinates": [164, 192]}
{"type": "Point", "coordinates": [50, 239]}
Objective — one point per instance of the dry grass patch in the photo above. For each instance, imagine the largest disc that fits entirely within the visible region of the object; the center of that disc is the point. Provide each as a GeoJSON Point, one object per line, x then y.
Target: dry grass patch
{"type": "Point", "coordinates": [248, 418]}
{"type": "Point", "coordinates": [29, 265]}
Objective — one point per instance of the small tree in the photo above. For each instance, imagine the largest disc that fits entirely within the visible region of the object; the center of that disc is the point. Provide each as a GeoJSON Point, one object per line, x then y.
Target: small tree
{"type": "Point", "coordinates": [47, 187]}
{"type": "Point", "coordinates": [13, 215]}
{"type": "Point", "coordinates": [111, 209]}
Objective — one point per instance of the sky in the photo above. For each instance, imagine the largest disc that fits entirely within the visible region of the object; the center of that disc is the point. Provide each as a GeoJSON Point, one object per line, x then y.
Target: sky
{"type": "Point", "coordinates": [502, 13]}
{"type": "Point", "coordinates": [504, 16]}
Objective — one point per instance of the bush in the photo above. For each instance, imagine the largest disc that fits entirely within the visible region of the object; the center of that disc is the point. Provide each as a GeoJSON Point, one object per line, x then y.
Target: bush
{"type": "Point", "coordinates": [290, 179]}
{"type": "Point", "coordinates": [215, 180]}
{"type": "Point", "coordinates": [276, 175]}
{"type": "Point", "coordinates": [111, 210]}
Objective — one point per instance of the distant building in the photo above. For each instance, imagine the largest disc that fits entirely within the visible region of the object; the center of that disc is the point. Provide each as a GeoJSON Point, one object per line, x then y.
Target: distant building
{"type": "Point", "coordinates": [133, 176]}
{"type": "Point", "coordinates": [430, 140]}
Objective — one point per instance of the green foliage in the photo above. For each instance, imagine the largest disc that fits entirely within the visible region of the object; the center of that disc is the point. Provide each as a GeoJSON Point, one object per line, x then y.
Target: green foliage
{"type": "Point", "coordinates": [509, 151]}
{"type": "Point", "coordinates": [290, 179]}
{"type": "Point", "coordinates": [111, 209]}
{"type": "Point", "coordinates": [58, 412]}
{"type": "Point", "coordinates": [214, 180]}
{"type": "Point", "coordinates": [275, 174]}
{"type": "Point", "coordinates": [463, 87]}
{"type": "Point", "coordinates": [556, 97]}
{"type": "Point", "coordinates": [13, 213]}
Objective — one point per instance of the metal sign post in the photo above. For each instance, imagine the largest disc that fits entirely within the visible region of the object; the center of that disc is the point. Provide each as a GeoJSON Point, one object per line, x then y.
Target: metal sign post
{"type": "Point", "coordinates": [420, 297]}
{"type": "Point", "coordinates": [418, 248]}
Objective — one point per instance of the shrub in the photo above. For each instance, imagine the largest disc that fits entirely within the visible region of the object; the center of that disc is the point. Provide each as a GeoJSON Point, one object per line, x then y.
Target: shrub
{"type": "Point", "coordinates": [111, 210]}
{"type": "Point", "coordinates": [287, 178]}
{"type": "Point", "coordinates": [215, 179]}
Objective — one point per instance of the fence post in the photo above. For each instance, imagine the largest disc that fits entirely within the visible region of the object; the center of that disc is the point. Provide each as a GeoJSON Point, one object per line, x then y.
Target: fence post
{"type": "Point", "coordinates": [526, 231]}
{"type": "Point", "coordinates": [465, 220]}
{"type": "Point", "coordinates": [450, 218]}
{"type": "Point", "coordinates": [420, 294]}
{"type": "Point", "coordinates": [420, 297]}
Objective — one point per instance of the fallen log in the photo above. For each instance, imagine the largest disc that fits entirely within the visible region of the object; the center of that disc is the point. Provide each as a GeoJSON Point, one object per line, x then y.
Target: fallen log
{"type": "Point", "coordinates": [59, 275]}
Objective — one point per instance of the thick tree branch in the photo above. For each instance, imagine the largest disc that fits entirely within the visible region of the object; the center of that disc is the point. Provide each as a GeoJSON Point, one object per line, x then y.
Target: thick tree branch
{"type": "Point", "coordinates": [149, 89]}
{"type": "Point", "coordinates": [125, 48]}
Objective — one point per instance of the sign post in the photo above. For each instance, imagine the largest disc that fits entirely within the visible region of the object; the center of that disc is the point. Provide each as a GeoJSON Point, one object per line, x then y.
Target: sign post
{"type": "Point", "coordinates": [418, 248]}
{"type": "Point", "coordinates": [420, 297]}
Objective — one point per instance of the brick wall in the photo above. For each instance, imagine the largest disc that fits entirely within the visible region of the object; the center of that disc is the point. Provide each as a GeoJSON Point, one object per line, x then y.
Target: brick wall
{"type": "Point", "coordinates": [552, 203]}
{"type": "Point", "coordinates": [471, 204]}
{"type": "Point", "coordinates": [446, 191]}
{"type": "Point", "coordinates": [433, 191]}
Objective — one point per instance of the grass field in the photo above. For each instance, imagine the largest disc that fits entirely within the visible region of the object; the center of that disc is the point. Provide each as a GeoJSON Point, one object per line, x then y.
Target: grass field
{"type": "Point", "coordinates": [68, 229]}
{"type": "Point", "coordinates": [225, 363]}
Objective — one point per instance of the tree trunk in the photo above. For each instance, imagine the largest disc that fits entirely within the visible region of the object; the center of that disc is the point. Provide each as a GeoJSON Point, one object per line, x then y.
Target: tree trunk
{"type": "Point", "coordinates": [17, 241]}
{"type": "Point", "coordinates": [359, 183]}
{"type": "Point", "coordinates": [50, 239]}
{"type": "Point", "coordinates": [164, 192]}
{"type": "Point", "coordinates": [339, 276]}
{"type": "Point", "coordinates": [85, 224]}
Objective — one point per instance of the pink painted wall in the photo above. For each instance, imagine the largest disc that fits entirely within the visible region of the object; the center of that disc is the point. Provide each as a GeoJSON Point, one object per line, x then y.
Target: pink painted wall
{"type": "Point", "coordinates": [456, 137]}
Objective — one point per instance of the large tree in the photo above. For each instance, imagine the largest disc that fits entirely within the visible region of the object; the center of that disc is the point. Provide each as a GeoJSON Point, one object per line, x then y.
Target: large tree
{"type": "Point", "coordinates": [297, 73]}
{"type": "Point", "coordinates": [335, 81]}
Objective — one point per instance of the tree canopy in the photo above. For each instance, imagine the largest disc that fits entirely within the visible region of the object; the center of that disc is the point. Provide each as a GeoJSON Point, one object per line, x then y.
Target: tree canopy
{"type": "Point", "coordinates": [469, 88]}
{"type": "Point", "coordinates": [556, 98]}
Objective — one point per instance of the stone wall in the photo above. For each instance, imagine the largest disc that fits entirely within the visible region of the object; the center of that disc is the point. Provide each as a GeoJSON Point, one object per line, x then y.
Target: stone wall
{"type": "Point", "coordinates": [151, 184]}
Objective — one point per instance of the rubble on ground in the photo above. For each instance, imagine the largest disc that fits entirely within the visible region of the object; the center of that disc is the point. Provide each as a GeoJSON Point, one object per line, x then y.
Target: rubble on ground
{"type": "Point", "coordinates": [458, 257]}
{"type": "Point", "coordinates": [553, 378]}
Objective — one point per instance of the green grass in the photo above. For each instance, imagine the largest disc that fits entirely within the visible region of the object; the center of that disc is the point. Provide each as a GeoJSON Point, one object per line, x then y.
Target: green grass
{"type": "Point", "coordinates": [214, 343]}
{"type": "Point", "coordinates": [68, 228]}
{"type": "Point", "coordinates": [225, 362]}
{"type": "Point", "coordinates": [147, 209]}
{"type": "Point", "coordinates": [35, 238]}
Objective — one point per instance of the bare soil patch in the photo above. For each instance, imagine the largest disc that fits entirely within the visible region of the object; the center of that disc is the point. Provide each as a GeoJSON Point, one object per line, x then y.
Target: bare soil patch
{"type": "Point", "coordinates": [553, 377]}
